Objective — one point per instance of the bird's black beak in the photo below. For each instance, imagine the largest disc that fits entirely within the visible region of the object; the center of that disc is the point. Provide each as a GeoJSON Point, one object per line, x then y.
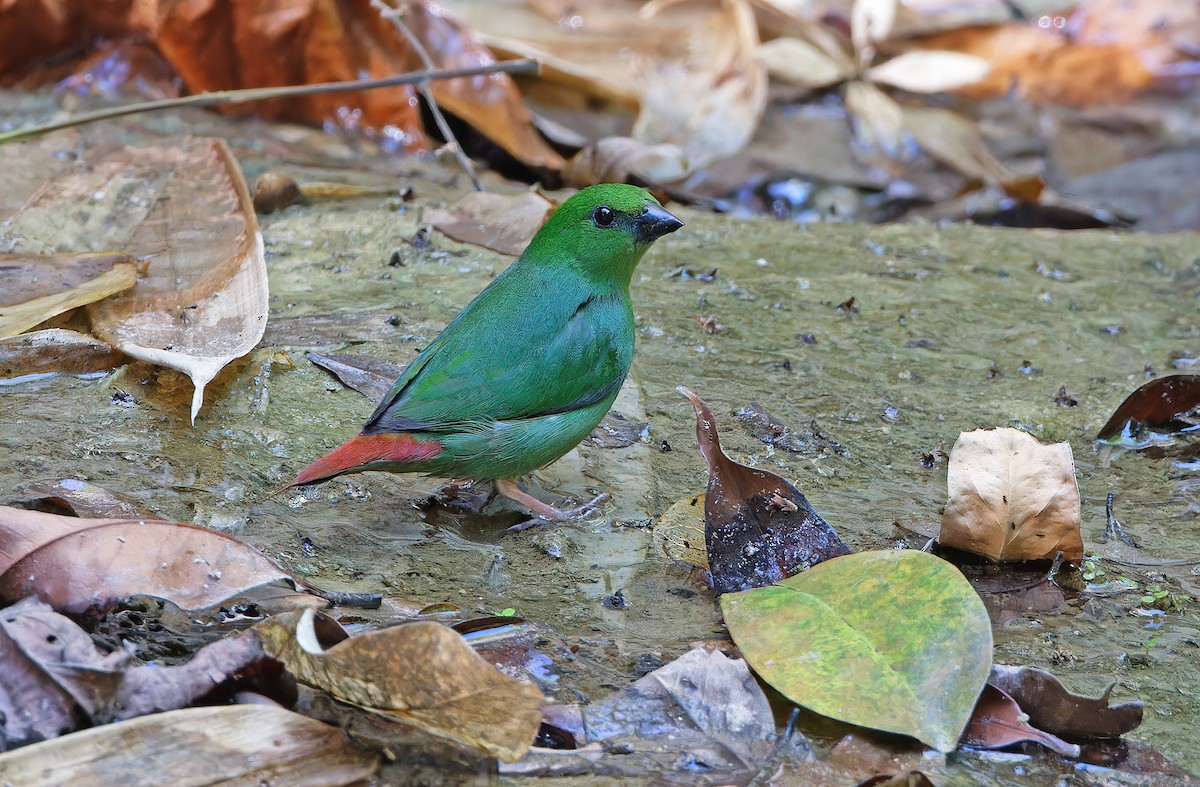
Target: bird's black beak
{"type": "Point", "coordinates": [654, 223]}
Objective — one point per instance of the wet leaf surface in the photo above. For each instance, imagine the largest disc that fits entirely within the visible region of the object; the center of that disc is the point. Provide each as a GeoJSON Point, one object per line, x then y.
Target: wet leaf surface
{"type": "Point", "coordinates": [72, 497]}
{"type": "Point", "coordinates": [244, 744]}
{"type": "Point", "coordinates": [99, 561]}
{"type": "Point", "coordinates": [1011, 498]}
{"type": "Point", "coordinates": [893, 640]}
{"type": "Point", "coordinates": [422, 674]}
{"type": "Point", "coordinates": [1051, 707]}
{"type": "Point", "coordinates": [1170, 403]}
{"type": "Point", "coordinates": [370, 377]}
{"type": "Point", "coordinates": [1000, 722]}
{"type": "Point", "coordinates": [679, 532]}
{"type": "Point", "coordinates": [56, 350]}
{"type": "Point", "coordinates": [758, 528]}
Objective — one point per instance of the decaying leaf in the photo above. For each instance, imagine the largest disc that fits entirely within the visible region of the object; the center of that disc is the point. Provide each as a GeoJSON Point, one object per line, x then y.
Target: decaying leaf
{"type": "Point", "coordinates": [500, 222]}
{"type": "Point", "coordinates": [679, 532]}
{"type": "Point", "coordinates": [76, 498]}
{"type": "Point", "coordinates": [1170, 403]}
{"type": "Point", "coordinates": [231, 744]}
{"type": "Point", "coordinates": [369, 377]}
{"type": "Point", "coordinates": [999, 722]}
{"type": "Point", "coordinates": [896, 640]}
{"type": "Point", "coordinates": [1011, 498]}
{"type": "Point", "coordinates": [37, 288]}
{"type": "Point", "coordinates": [704, 703]}
{"type": "Point", "coordinates": [56, 351]}
{"type": "Point", "coordinates": [422, 674]}
{"type": "Point", "coordinates": [1051, 707]}
{"type": "Point", "coordinates": [758, 528]}
{"type": "Point", "coordinates": [99, 561]}
{"type": "Point", "coordinates": [614, 159]}
{"type": "Point", "coordinates": [958, 142]}
{"type": "Point", "coordinates": [184, 207]}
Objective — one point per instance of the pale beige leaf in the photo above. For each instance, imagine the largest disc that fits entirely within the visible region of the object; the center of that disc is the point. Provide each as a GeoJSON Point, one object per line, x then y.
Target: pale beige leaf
{"type": "Point", "coordinates": [614, 159]}
{"type": "Point", "coordinates": [710, 101]}
{"type": "Point", "coordinates": [871, 22]}
{"type": "Point", "coordinates": [231, 744]}
{"type": "Point", "coordinates": [184, 207]}
{"type": "Point", "coordinates": [34, 289]}
{"type": "Point", "coordinates": [802, 63]}
{"type": "Point", "coordinates": [929, 72]}
{"type": "Point", "coordinates": [679, 532]}
{"type": "Point", "coordinates": [422, 674]}
{"type": "Point", "coordinates": [878, 119]}
{"type": "Point", "coordinates": [1011, 498]}
{"type": "Point", "coordinates": [956, 141]}
{"type": "Point", "coordinates": [500, 222]}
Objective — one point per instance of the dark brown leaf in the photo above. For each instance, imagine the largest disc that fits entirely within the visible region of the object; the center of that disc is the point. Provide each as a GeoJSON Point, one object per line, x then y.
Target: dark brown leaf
{"type": "Point", "coordinates": [997, 723]}
{"type": "Point", "coordinates": [370, 377]}
{"type": "Point", "coordinates": [758, 528]}
{"type": "Point", "coordinates": [1171, 403]}
{"type": "Point", "coordinates": [56, 350]}
{"type": "Point", "coordinates": [1051, 707]}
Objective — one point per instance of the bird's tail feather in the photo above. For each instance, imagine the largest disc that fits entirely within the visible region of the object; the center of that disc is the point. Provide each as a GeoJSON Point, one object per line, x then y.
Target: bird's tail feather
{"type": "Point", "coordinates": [360, 450]}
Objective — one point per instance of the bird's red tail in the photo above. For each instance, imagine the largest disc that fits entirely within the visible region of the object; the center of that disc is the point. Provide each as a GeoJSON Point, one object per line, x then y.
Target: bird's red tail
{"type": "Point", "coordinates": [363, 449]}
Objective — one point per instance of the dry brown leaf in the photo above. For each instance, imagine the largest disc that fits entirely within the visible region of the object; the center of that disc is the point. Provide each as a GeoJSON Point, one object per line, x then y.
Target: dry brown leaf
{"type": "Point", "coordinates": [422, 674]}
{"type": "Point", "coordinates": [929, 71]}
{"type": "Point", "coordinates": [955, 141]}
{"type": "Point", "coordinates": [871, 22]}
{"type": "Point", "coordinates": [878, 120]}
{"type": "Point", "coordinates": [614, 159]}
{"type": "Point", "coordinates": [231, 744]}
{"type": "Point", "coordinates": [56, 350]}
{"type": "Point", "coordinates": [40, 287]}
{"type": "Point", "coordinates": [75, 564]}
{"type": "Point", "coordinates": [1011, 498]}
{"type": "Point", "coordinates": [500, 222]}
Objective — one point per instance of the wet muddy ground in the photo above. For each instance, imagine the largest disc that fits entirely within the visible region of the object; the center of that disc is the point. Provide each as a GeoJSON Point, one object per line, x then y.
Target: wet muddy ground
{"type": "Point", "coordinates": [886, 341]}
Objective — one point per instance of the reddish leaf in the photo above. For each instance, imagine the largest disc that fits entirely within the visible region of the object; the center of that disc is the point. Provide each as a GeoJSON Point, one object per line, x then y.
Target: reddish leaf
{"type": "Point", "coordinates": [998, 723]}
{"type": "Point", "coordinates": [758, 528]}
{"type": "Point", "coordinates": [1052, 708]}
{"type": "Point", "coordinates": [1171, 402]}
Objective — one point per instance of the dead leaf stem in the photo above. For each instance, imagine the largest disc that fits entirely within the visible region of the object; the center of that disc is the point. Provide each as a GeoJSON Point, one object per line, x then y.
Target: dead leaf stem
{"type": "Point", "coordinates": [262, 93]}
{"type": "Point", "coordinates": [396, 17]}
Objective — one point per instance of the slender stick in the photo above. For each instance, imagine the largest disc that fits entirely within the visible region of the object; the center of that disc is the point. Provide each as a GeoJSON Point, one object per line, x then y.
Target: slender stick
{"type": "Point", "coordinates": [395, 16]}
{"type": "Point", "coordinates": [263, 93]}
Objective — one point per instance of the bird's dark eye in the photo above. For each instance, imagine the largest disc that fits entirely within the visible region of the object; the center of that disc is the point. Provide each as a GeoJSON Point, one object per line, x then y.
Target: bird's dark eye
{"type": "Point", "coordinates": [604, 216]}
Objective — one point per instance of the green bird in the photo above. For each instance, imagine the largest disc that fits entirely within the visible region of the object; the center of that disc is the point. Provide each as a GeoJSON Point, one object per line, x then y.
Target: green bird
{"type": "Point", "coordinates": [529, 367]}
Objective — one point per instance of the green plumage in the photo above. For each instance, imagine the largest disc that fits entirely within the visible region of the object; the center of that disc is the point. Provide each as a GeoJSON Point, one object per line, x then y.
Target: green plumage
{"type": "Point", "coordinates": [532, 364]}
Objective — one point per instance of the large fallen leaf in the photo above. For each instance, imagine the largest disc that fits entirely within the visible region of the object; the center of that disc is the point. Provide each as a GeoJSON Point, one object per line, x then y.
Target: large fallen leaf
{"type": "Point", "coordinates": [1011, 498]}
{"type": "Point", "coordinates": [202, 301]}
{"type": "Point", "coordinates": [1170, 403]}
{"type": "Point", "coordinates": [758, 528]}
{"type": "Point", "coordinates": [422, 674]}
{"type": "Point", "coordinates": [1051, 707]}
{"type": "Point", "coordinates": [232, 744]}
{"type": "Point", "coordinates": [998, 722]}
{"type": "Point", "coordinates": [38, 288]}
{"type": "Point", "coordinates": [500, 222]}
{"type": "Point", "coordinates": [100, 561]}
{"type": "Point", "coordinates": [895, 640]}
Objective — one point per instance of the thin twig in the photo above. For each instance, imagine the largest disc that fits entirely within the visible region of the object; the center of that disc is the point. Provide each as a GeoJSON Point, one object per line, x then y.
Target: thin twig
{"type": "Point", "coordinates": [394, 15]}
{"type": "Point", "coordinates": [263, 93]}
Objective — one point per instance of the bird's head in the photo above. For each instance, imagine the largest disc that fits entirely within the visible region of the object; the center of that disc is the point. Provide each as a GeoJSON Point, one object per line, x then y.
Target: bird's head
{"type": "Point", "coordinates": [605, 229]}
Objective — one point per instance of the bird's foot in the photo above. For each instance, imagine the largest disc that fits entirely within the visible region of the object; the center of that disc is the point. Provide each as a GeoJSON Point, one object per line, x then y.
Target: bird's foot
{"type": "Point", "coordinates": [544, 511]}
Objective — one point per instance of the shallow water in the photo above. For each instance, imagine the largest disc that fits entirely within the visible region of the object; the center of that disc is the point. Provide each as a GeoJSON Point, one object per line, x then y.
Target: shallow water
{"type": "Point", "coordinates": [942, 322]}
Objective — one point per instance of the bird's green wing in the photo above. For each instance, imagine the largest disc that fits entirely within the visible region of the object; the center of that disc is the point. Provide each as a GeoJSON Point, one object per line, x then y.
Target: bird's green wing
{"type": "Point", "coordinates": [525, 347]}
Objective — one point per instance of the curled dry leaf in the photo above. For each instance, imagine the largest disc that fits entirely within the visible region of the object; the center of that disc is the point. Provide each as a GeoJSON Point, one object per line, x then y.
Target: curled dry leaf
{"type": "Point", "coordinates": [1171, 402]}
{"type": "Point", "coordinates": [184, 207]}
{"type": "Point", "coordinates": [56, 350]}
{"type": "Point", "coordinates": [500, 222]}
{"type": "Point", "coordinates": [614, 159]}
{"type": "Point", "coordinates": [998, 722]}
{"type": "Point", "coordinates": [40, 287]}
{"type": "Point", "coordinates": [422, 674]}
{"type": "Point", "coordinates": [237, 744]}
{"type": "Point", "coordinates": [1051, 707]}
{"type": "Point", "coordinates": [99, 561]}
{"type": "Point", "coordinates": [758, 528]}
{"type": "Point", "coordinates": [1011, 498]}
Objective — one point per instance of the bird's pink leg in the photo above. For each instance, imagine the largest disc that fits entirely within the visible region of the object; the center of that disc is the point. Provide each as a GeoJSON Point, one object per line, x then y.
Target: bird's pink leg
{"type": "Point", "coordinates": [545, 512]}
